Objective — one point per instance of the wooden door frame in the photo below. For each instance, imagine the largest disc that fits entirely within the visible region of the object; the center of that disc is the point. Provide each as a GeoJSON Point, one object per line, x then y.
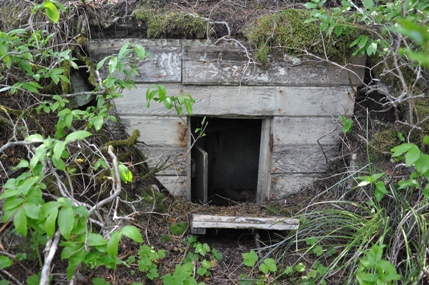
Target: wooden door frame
{"type": "Point", "coordinates": [265, 155]}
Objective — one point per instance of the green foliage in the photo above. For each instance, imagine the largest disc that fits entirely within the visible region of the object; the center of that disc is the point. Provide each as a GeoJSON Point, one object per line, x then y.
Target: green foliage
{"type": "Point", "coordinates": [267, 267]}
{"type": "Point", "coordinates": [179, 228]}
{"type": "Point", "coordinates": [347, 124]}
{"type": "Point", "coordinates": [147, 259]}
{"type": "Point", "coordinates": [294, 34]}
{"type": "Point", "coordinates": [159, 94]}
{"type": "Point", "coordinates": [374, 270]}
{"type": "Point", "coordinates": [172, 24]}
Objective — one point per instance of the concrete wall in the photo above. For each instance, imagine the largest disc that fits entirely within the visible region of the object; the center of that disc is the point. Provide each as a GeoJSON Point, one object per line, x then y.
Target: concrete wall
{"type": "Point", "coordinates": [299, 102]}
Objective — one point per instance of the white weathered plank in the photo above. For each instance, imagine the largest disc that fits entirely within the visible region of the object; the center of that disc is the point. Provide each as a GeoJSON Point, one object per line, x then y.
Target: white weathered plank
{"type": "Point", "coordinates": [157, 131]}
{"type": "Point", "coordinates": [164, 64]}
{"type": "Point", "coordinates": [175, 157]}
{"type": "Point", "coordinates": [245, 100]}
{"type": "Point", "coordinates": [314, 101]}
{"type": "Point", "coordinates": [240, 222]}
{"type": "Point", "coordinates": [214, 100]}
{"type": "Point", "coordinates": [215, 65]}
{"type": "Point", "coordinates": [263, 184]}
{"type": "Point", "coordinates": [305, 130]}
{"type": "Point", "coordinates": [283, 185]}
{"type": "Point", "coordinates": [176, 185]}
{"type": "Point", "coordinates": [302, 158]}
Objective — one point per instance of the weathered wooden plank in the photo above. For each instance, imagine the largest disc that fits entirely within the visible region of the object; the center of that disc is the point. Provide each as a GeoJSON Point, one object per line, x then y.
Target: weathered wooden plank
{"type": "Point", "coordinates": [302, 158]}
{"type": "Point", "coordinates": [164, 64]}
{"type": "Point", "coordinates": [283, 185]}
{"type": "Point", "coordinates": [314, 101]}
{"type": "Point", "coordinates": [175, 157]}
{"type": "Point", "coordinates": [216, 65]}
{"type": "Point", "coordinates": [239, 222]}
{"type": "Point", "coordinates": [213, 101]}
{"type": "Point", "coordinates": [176, 185]}
{"type": "Point", "coordinates": [245, 100]}
{"type": "Point", "coordinates": [157, 131]}
{"type": "Point", "coordinates": [263, 184]}
{"type": "Point", "coordinates": [305, 130]}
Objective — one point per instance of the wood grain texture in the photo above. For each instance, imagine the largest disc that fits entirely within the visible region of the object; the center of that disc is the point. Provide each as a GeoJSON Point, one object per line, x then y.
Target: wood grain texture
{"type": "Point", "coordinates": [164, 64]}
{"type": "Point", "coordinates": [176, 185]}
{"type": "Point", "coordinates": [302, 158]}
{"type": "Point", "coordinates": [305, 130]}
{"type": "Point", "coordinates": [215, 65]}
{"type": "Point", "coordinates": [242, 222]}
{"type": "Point", "coordinates": [245, 100]}
{"type": "Point", "coordinates": [175, 157]}
{"type": "Point", "coordinates": [283, 185]}
{"type": "Point", "coordinates": [157, 131]}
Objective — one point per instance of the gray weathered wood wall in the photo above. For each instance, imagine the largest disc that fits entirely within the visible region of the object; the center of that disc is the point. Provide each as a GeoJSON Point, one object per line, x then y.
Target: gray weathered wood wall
{"type": "Point", "coordinates": [299, 100]}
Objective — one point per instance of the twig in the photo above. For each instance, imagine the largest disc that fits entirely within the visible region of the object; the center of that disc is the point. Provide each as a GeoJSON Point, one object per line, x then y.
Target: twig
{"type": "Point", "coordinates": [51, 248]}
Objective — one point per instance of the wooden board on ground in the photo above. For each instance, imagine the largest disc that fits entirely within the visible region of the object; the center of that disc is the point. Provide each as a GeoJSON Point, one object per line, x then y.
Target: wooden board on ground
{"type": "Point", "coordinates": [200, 222]}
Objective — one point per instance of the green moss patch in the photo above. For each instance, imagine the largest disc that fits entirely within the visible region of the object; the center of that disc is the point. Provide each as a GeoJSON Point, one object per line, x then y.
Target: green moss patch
{"type": "Point", "coordinates": [171, 24]}
{"type": "Point", "coordinates": [287, 31]}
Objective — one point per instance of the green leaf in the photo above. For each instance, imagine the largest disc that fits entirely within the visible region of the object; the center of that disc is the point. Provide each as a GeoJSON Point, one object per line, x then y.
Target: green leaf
{"type": "Point", "coordinates": [426, 140]}
{"type": "Point", "coordinates": [140, 51]}
{"type": "Point", "coordinates": [5, 262]}
{"type": "Point", "coordinates": [58, 163]}
{"type": "Point", "coordinates": [22, 164]}
{"type": "Point", "coordinates": [99, 281]}
{"type": "Point", "coordinates": [412, 155]}
{"type": "Point", "coordinates": [76, 136]}
{"type": "Point", "coordinates": [125, 174]}
{"type": "Point", "coordinates": [133, 233]}
{"type": "Point", "coordinates": [23, 64]}
{"type": "Point", "coordinates": [380, 190]}
{"type": "Point", "coordinates": [101, 63]}
{"type": "Point", "coordinates": [310, 5]}
{"type": "Point", "coordinates": [32, 211]}
{"type": "Point", "coordinates": [400, 149]}
{"type": "Point", "coordinates": [51, 11]}
{"type": "Point", "coordinates": [20, 222]}
{"type": "Point", "coordinates": [269, 265]}
{"type": "Point", "coordinates": [34, 138]}
{"type": "Point", "coordinates": [112, 244]}
{"type": "Point", "coordinates": [250, 258]}
{"type": "Point", "coordinates": [123, 51]}
{"type": "Point", "coordinates": [66, 221]}
{"type": "Point", "coordinates": [422, 164]}
{"type": "Point", "coordinates": [363, 41]}
{"type": "Point", "coordinates": [96, 240]}
{"type": "Point", "coordinates": [113, 63]}
{"type": "Point", "coordinates": [51, 221]}
{"type": "Point", "coordinates": [98, 123]}
{"type": "Point", "coordinates": [368, 4]}
{"type": "Point", "coordinates": [371, 49]}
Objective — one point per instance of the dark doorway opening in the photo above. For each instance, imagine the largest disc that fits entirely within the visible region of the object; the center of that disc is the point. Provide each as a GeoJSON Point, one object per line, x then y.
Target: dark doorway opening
{"type": "Point", "coordinates": [225, 162]}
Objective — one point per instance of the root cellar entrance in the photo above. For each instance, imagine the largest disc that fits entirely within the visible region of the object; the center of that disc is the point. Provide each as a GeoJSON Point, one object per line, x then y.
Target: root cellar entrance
{"type": "Point", "coordinates": [225, 161]}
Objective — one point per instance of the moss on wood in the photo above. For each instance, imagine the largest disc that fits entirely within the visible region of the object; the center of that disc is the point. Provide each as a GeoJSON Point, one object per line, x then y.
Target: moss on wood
{"type": "Point", "coordinates": [171, 24]}
{"type": "Point", "coordinates": [287, 30]}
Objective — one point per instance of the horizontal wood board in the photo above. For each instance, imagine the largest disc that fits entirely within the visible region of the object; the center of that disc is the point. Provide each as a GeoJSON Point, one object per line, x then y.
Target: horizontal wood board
{"type": "Point", "coordinates": [244, 100]}
{"type": "Point", "coordinates": [157, 131]}
{"type": "Point", "coordinates": [302, 158]}
{"type": "Point", "coordinates": [240, 222]}
{"type": "Point", "coordinates": [194, 62]}
{"type": "Point", "coordinates": [305, 130]}
{"type": "Point", "coordinates": [215, 65]}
